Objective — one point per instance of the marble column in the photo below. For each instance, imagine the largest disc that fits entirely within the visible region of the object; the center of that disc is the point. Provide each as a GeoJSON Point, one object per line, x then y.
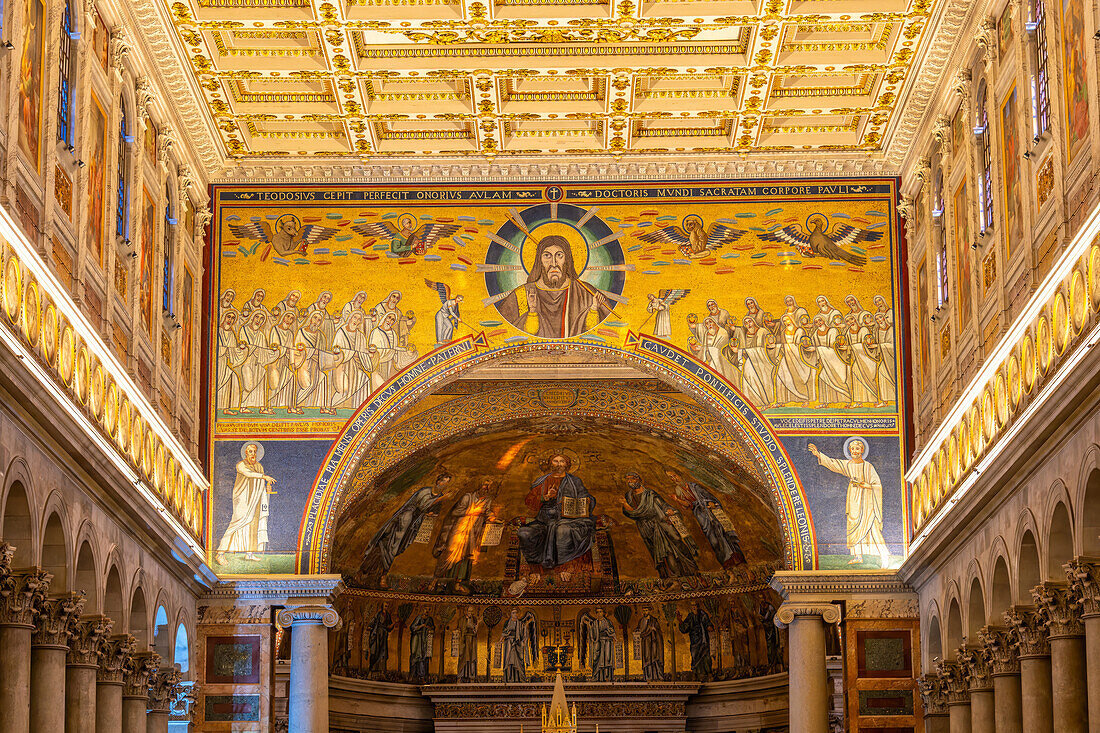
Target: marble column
{"type": "Point", "coordinates": [308, 691]}
{"type": "Point", "coordinates": [162, 691]}
{"type": "Point", "coordinates": [933, 697]}
{"type": "Point", "coordinates": [999, 650]}
{"type": "Point", "coordinates": [981, 689]}
{"type": "Point", "coordinates": [83, 661]}
{"type": "Point", "coordinates": [49, 648]}
{"type": "Point", "coordinates": [1084, 577]}
{"type": "Point", "coordinates": [20, 593]}
{"type": "Point", "coordinates": [1067, 656]}
{"type": "Point", "coordinates": [114, 658]}
{"type": "Point", "coordinates": [135, 690]}
{"type": "Point", "coordinates": [956, 684]}
{"type": "Point", "coordinates": [808, 702]}
{"type": "Point", "coordinates": [1030, 627]}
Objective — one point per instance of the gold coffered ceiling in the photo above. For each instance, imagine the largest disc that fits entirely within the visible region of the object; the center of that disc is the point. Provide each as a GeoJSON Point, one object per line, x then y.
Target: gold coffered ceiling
{"type": "Point", "coordinates": [523, 78]}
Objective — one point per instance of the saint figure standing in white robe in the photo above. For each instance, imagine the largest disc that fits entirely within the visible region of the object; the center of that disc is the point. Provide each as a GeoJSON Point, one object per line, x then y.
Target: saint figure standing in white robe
{"type": "Point", "coordinates": [247, 530]}
{"type": "Point", "coordinates": [864, 502]}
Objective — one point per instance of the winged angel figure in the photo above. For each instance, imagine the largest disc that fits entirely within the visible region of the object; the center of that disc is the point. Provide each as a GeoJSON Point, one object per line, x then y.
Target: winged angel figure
{"type": "Point", "coordinates": [693, 240]}
{"type": "Point", "coordinates": [404, 236]}
{"type": "Point", "coordinates": [287, 237]}
{"type": "Point", "coordinates": [819, 242]}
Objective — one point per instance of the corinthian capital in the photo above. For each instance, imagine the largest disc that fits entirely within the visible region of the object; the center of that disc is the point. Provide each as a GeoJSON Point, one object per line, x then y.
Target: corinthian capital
{"type": "Point", "coordinates": [162, 689]}
{"type": "Point", "coordinates": [1031, 629]}
{"type": "Point", "coordinates": [138, 669]}
{"type": "Point", "coordinates": [55, 619]}
{"type": "Point", "coordinates": [1084, 579]}
{"type": "Point", "coordinates": [999, 647]}
{"type": "Point", "coordinates": [933, 694]}
{"type": "Point", "coordinates": [960, 84]}
{"type": "Point", "coordinates": [120, 48]}
{"type": "Point", "coordinates": [114, 657]}
{"type": "Point", "coordinates": [88, 633]}
{"type": "Point", "coordinates": [20, 594]}
{"type": "Point", "coordinates": [977, 667]}
{"type": "Point", "coordinates": [143, 93]}
{"type": "Point", "coordinates": [987, 40]}
{"type": "Point", "coordinates": [955, 681]}
{"type": "Point", "coordinates": [941, 130]}
{"type": "Point", "coordinates": [7, 552]}
{"type": "Point", "coordinates": [1059, 604]}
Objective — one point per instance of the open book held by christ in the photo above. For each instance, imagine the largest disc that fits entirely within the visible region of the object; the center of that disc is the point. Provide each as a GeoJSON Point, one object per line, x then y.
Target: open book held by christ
{"type": "Point", "coordinates": [573, 507]}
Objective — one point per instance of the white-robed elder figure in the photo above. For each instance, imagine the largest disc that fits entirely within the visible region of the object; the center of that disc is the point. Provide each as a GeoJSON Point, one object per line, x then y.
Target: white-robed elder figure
{"type": "Point", "coordinates": [864, 501]}
{"type": "Point", "coordinates": [247, 530]}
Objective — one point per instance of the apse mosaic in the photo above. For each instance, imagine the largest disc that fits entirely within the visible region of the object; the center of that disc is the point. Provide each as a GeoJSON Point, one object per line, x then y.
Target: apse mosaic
{"type": "Point", "coordinates": [764, 312]}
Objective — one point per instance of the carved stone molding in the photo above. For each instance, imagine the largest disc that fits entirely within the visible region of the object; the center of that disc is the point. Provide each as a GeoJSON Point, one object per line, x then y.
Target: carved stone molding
{"type": "Point", "coordinates": [120, 48]}
{"type": "Point", "coordinates": [1030, 627]}
{"type": "Point", "coordinates": [114, 657]}
{"type": "Point", "coordinates": [144, 95]}
{"type": "Point", "coordinates": [825, 584]}
{"type": "Point", "coordinates": [999, 646]}
{"type": "Point", "coordinates": [933, 694]}
{"type": "Point", "coordinates": [289, 591]}
{"type": "Point", "coordinates": [162, 689]}
{"type": "Point", "coordinates": [137, 670]}
{"type": "Point", "coordinates": [1059, 604]}
{"type": "Point", "coordinates": [961, 83]}
{"type": "Point", "coordinates": [55, 619]}
{"type": "Point", "coordinates": [977, 668]}
{"type": "Point", "coordinates": [1084, 579]}
{"type": "Point", "coordinates": [88, 633]}
{"type": "Point", "coordinates": [987, 40]}
{"type": "Point", "coordinates": [309, 613]}
{"type": "Point", "coordinates": [941, 131]}
{"type": "Point", "coordinates": [789, 611]}
{"type": "Point", "coordinates": [20, 593]}
{"type": "Point", "coordinates": [955, 681]}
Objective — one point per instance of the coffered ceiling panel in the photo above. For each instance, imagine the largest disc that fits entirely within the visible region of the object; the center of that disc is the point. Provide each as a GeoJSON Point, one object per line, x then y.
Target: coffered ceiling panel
{"type": "Point", "coordinates": [369, 79]}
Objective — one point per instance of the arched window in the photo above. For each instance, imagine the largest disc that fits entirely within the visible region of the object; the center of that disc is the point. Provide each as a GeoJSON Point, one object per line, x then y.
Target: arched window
{"type": "Point", "coordinates": [122, 205]}
{"type": "Point", "coordinates": [939, 237]}
{"type": "Point", "coordinates": [65, 63]}
{"type": "Point", "coordinates": [169, 260]}
{"type": "Point", "coordinates": [1040, 83]}
{"type": "Point", "coordinates": [985, 177]}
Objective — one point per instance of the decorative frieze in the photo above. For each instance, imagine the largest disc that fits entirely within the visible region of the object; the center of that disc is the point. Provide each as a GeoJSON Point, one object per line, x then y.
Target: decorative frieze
{"type": "Point", "coordinates": [88, 633]}
{"type": "Point", "coordinates": [999, 647]}
{"type": "Point", "coordinates": [979, 672]}
{"type": "Point", "coordinates": [114, 658]}
{"type": "Point", "coordinates": [20, 593]}
{"type": "Point", "coordinates": [1059, 604]}
{"type": "Point", "coordinates": [933, 694]}
{"type": "Point", "coordinates": [1030, 627]}
{"type": "Point", "coordinates": [138, 669]}
{"type": "Point", "coordinates": [163, 685]}
{"type": "Point", "coordinates": [1084, 579]}
{"type": "Point", "coordinates": [55, 618]}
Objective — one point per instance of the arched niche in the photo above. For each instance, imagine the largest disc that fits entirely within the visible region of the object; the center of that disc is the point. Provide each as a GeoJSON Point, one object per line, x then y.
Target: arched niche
{"type": "Point", "coordinates": [1090, 515]}
{"type": "Point", "coordinates": [933, 646]}
{"type": "Point", "coordinates": [1059, 543]}
{"type": "Point", "coordinates": [954, 628]}
{"type": "Point", "coordinates": [86, 578]}
{"type": "Point", "coordinates": [139, 619]}
{"type": "Point", "coordinates": [55, 554]}
{"type": "Point", "coordinates": [162, 645]}
{"type": "Point", "coordinates": [1028, 573]}
{"type": "Point", "coordinates": [18, 527]}
{"type": "Point", "coordinates": [1001, 597]}
{"type": "Point", "coordinates": [112, 600]}
{"type": "Point", "coordinates": [975, 611]}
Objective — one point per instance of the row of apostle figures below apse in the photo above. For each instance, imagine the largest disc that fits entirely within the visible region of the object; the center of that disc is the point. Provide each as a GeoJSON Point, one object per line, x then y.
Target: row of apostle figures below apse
{"type": "Point", "coordinates": [293, 355]}
{"type": "Point", "coordinates": [800, 358]}
{"type": "Point", "coordinates": [715, 642]}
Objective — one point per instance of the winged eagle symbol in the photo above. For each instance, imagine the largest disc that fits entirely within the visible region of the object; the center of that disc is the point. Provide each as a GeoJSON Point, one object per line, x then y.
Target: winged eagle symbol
{"type": "Point", "coordinates": [692, 239]}
{"type": "Point", "coordinates": [819, 242]}
{"type": "Point", "coordinates": [405, 238]}
{"type": "Point", "coordinates": [287, 237]}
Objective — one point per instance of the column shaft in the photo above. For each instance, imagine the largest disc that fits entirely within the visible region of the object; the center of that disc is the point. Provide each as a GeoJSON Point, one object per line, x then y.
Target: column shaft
{"type": "Point", "coordinates": [108, 707]}
{"type": "Point", "coordinates": [15, 678]}
{"type": "Point", "coordinates": [309, 676]}
{"type": "Point", "coordinates": [157, 722]}
{"type": "Point", "coordinates": [133, 714]}
{"type": "Point", "coordinates": [809, 694]}
{"type": "Point", "coordinates": [80, 699]}
{"type": "Point", "coordinates": [937, 723]}
{"type": "Point", "coordinates": [1067, 672]}
{"type": "Point", "coordinates": [981, 711]}
{"type": "Point", "coordinates": [1007, 706]}
{"type": "Point", "coordinates": [1092, 659]}
{"type": "Point", "coordinates": [960, 718]}
{"type": "Point", "coordinates": [47, 688]}
{"type": "Point", "coordinates": [1036, 694]}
